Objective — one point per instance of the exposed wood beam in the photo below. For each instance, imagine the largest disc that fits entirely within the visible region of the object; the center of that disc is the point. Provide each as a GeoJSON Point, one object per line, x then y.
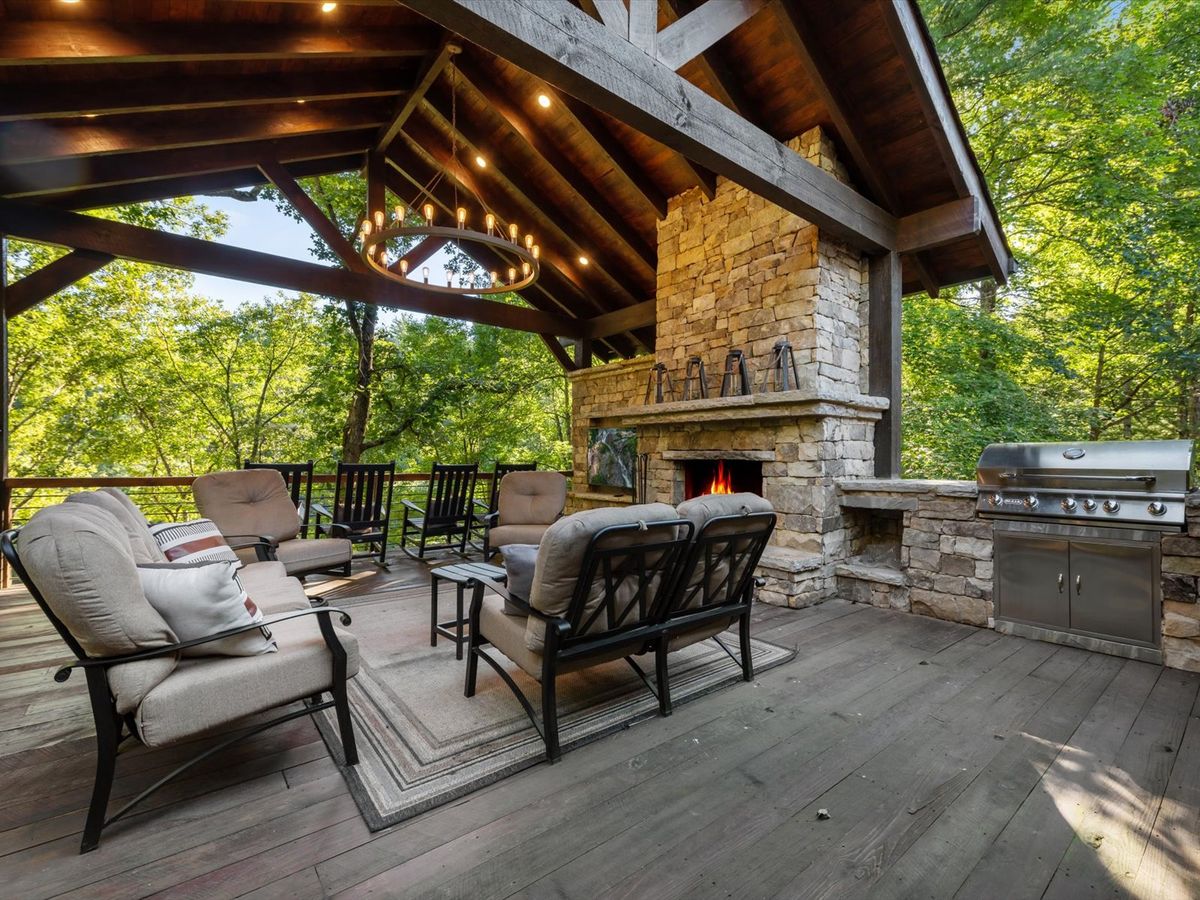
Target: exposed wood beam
{"type": "Point", "coordinates": [884, 291]}
{"type": "Point", "coordinates": [408, 175]}
{"type": "Point", "coordinates": [551, 220]}
{"type": "Point", "coordinates": [909, 34]}
{"type": "Point", "coordinates": [62, 42]}
{"type": "Point", "coordinates": [420, 252]}
{"type": "Point", "coordinates": [56, 176]}
{"type": "Point", "coordinates": [583, 351]}
{"type": "Point", "coordinates": [939, 226]}
{"type": "Point", "coordinates": [429, 74]}
{"type": "Point", "coordinates": [536, 142]}
{"type": "Point", "coordinates": [612, 13]}
{"type": "Point", "coordinates": [129, 95]}
{"type": "Point", "coordinates": [622, 162]}
{"type": "Point", "coordinates": [563, 46]}
{"type": "Point", "coordinates": [175, 251]}
{"type": "Point", "coordinates": [643, 25]}
{"type": "Point", "coordinates": [52, 278]}
{"type": "Point", "coordinates": [640, 315]}
{"type": "Point", "coordinates": [725, 84]}
{"type": "Point", "coordinates": [925, 273]}
{"type": "Point", "coordinates": [687, 38]}
{"type": "Point", "coordinates": [559, 352]}
{"type": "Point", "coordinates": [192, 185]}
{"type": "Point", "coordinates": [312, 214]}
{"type": "Point", "coordinates": [30, 142]}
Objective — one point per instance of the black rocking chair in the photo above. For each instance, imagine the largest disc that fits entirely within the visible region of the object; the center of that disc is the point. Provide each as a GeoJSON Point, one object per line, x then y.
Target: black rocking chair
{"type": "Point", "coordinates": [362, 504]}
{"type": "Point", "coordinates": [298, 478]}
{"type": "Point", "coordinates": [481, 511]}
{"type": "Point", "coordinates": [448, 512]}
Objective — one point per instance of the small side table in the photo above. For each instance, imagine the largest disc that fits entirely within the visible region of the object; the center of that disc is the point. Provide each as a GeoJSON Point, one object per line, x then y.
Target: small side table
{"type": "Point", "coordinates": [459, 574]}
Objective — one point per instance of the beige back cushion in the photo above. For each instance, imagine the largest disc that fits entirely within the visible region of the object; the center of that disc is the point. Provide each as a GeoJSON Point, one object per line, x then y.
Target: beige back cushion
{"type": "Point", "coordinates": [248, 501]}
{"type": "Point", "coordinates": [142, 544]}
{"type": "Point", "coordinates": [531, 498]}
{"type": "Point", "coordinates": [79, 558]}
{"type": "Point", "coordinates": [699, 511]}
{"type": "Point", "coordinates": [560, 559]}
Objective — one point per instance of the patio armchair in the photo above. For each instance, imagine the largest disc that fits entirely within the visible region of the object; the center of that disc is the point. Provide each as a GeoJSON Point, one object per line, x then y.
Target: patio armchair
{"type": "Point", "coordinates": [528, 503]}
{"type": "Point", "coordinates": [601, 585]}
{"type": "Point", "coordinates": [483, 508]}
{"type": "Point", "coordinates": [362, 506]}
{"type": "Point", "coordinates": [258, 502]}
{"type": "Point", "coordinates": [717, 582]}
{"type": "Point", "coordinates": [447, 514]}
{"type": "Point", "coordinates": [298, 478]}
{"type": "Point", "coordinates": [78, 563]}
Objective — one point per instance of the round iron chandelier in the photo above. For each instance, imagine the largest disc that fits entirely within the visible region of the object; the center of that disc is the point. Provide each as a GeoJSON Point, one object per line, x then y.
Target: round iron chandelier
{"type": "Point", "coordinates": [385, 239]}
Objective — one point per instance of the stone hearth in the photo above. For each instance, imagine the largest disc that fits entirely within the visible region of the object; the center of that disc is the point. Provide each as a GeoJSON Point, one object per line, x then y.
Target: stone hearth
{"type": "Point", "coordinates": [737, 272]}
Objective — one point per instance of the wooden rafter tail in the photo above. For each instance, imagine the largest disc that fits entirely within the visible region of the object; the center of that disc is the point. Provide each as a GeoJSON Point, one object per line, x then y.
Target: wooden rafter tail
{"type": "Point", "coordinates": [52, 278]}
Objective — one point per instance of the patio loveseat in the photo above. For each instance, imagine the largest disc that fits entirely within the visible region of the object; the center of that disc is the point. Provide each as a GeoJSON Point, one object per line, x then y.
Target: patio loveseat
{"type": "Point", "coordinates": [618, 583]}
{"type": "Point", "coordinates": [80, 561]}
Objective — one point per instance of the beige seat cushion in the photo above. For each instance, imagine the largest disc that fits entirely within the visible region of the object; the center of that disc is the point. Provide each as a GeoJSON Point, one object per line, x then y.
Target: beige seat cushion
{"type": "Point", "coordinates": [202, 694]}
{"type": "Point", "coordinates": [503, 535]}
{"type": "Point", "coordinates": [80, 559]}
{"type": "Point", "coordinates": [142, 544]}
{"type": "Point", "coordinates": [273, 591]}
{"type": "Point", "coordinates": [248, 501]}
{"type": "Point", "coordinates": [531, 498]}
{"type": "Point", "coordinates": [700, 510]}
{"type": "Point", "coordinates": [560, 560]}
{"type": "Point", "coordinates": [302, 555]}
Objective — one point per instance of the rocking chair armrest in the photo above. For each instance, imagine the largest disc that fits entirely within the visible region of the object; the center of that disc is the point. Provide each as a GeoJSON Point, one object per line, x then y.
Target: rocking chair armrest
{"type": "Point", "coordinates": [408, 504]}
{"type": "Point", "coordinates": [103, 662]}
{"type": "Point", "coordinates": [491, 520]}
{"type": "Point", "coordinates": [321, 510]}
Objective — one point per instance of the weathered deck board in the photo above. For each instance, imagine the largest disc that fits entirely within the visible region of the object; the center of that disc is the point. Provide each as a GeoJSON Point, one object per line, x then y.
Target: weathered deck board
{"type": "Point", "coordinates": [954, 762]}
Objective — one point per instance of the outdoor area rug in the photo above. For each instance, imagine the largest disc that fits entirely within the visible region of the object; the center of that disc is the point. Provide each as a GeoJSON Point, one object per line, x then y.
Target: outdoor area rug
{"type": "Point", "coordinates": [421, 743]}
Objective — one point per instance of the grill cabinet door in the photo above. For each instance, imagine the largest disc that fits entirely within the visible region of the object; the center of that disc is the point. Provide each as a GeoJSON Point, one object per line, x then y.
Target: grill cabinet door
{"type": "Point", "coordinates": [1112, 590]}
{"type": "Point", "coordinates": [1031, 577]}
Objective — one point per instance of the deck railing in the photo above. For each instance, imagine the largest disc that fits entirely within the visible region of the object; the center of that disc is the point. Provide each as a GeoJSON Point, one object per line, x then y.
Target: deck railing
{"type": "Point", "coordinates": [169, 498]}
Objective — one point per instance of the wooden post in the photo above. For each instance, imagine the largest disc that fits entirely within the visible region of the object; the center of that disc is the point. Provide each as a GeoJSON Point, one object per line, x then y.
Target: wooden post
{"type": "Point", "coordinates": [883, 336]}
{"type": "Point", "coordinates": [583, 353]}
{"type": "Point", "coordinates": [5, 492]}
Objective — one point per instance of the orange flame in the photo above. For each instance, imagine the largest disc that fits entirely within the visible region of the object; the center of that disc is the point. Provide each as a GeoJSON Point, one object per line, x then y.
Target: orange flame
{"type": "Point", "coordinates": [722, 482]}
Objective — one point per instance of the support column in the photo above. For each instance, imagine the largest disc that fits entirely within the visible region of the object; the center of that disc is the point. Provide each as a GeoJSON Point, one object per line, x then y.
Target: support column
{"type": "Point", "coordinates": [886, 288]}
{"type": "Point", "coordinates": [583, 353]}
{"type": "Point", "coordinates": [5, 493]}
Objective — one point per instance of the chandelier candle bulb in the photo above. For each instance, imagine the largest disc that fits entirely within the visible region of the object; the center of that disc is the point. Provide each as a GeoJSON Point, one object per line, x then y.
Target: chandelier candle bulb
{"type": "Point", "coordinates": [513, 231]}
{"type": "Point", "coordinates": [512, 275]}
{"type": "Point", "coordinates": [425, 274]}
{"type": "Point", "coordinates": [378, 217]}
{"type": "Point", "coordinates": [536, 251]}
{"type": "Point", "coordinates": [529, 242]}
{"type": "Point", "coordinates": [462, 217]}
{"type": "Point", "coordinates": [399, 215]}
{"type": "Point", "coordinates": [404, 267]}
{"type": "Point", "coordinates": [428, 213]}
{"type": "Point", "coordinates": [490, 221]}
{"type": "Point", "coordinates": [366, 226]}
{"type": "Point", "coordinates": [495, 278]}
{"type": "Point", "coordinates": [525, 268]}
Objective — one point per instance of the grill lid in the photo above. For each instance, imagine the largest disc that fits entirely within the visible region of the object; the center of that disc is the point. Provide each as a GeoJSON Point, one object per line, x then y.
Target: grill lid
{"type": "Point", "coordinates": [1150, 467]}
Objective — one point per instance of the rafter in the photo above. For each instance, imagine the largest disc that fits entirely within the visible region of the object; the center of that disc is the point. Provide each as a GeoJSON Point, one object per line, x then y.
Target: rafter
{"type": "Point", "coordinates": [63, 42]}
{"type": "Point", "coordinates": [313, 215]}
{"type": "Point", "coordinates": [130, 95]}
{"type": "Point", "coordinates": [643, 25]}
{"type": "Point", "coordinates": [429, 74]}
{"type": "Point", "coordinates": [559, 352]}
{"type": "Point", "coordinates": [175, 251]}
{"type": "Point", "coordinates": [52, 278]}
{"type": "Point", "coordinates": [940, 225]}
{"type": "Point", "coordinates": [695, 32]}
{"type": "Point", "coordinates": [22, 143]}
{"type": "Point", "coordinates": [612, 13]}
{"type": "Point", "coordinates": [724, 83]}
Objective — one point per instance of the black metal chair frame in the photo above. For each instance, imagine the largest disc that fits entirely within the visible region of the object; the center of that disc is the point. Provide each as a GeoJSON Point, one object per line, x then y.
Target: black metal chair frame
{"type": "Point", "coordinates": [448, 511]}
{"type": "Point", "coordinates": [361, 511]}
{"type": "Point", "coordinates": [491, 512]}
{"type": "Point", "coordinates": [729, 598]}
{"type": "Point", "coordinates": [298, 478]}
{"type": "Point", "coordinates": [113, 729]}
{"type": "Point", "coordinates": [654, 561]}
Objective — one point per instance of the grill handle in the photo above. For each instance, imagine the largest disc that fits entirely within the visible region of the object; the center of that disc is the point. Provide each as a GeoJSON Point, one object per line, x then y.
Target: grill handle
{"type": "Point", "coordinates": [1060, 582]}
{"type": "Point", "coordinates": [1140, 479]}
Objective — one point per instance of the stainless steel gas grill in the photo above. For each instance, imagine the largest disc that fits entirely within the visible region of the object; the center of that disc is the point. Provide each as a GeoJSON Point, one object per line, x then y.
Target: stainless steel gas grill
{"type": "Point", "coordinates": [1077, 529]}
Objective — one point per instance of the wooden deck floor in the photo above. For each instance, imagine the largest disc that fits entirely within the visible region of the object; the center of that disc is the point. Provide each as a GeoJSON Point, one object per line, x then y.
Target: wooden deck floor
{"type": "Point", "coordinates": [953, 762]}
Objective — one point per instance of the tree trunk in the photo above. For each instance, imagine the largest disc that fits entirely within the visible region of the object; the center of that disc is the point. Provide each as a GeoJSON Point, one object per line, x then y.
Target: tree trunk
{"type": "Point", "coordinates": [1097, 384]}
{"type": "Point", "coordinates": [363, 319]}
{"type": "Point", "coordinates": [1188, 381]}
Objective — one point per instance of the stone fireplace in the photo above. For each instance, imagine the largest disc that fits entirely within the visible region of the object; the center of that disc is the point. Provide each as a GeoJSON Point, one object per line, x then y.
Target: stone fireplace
{"type": "Point", "coordinates": [737, 272]}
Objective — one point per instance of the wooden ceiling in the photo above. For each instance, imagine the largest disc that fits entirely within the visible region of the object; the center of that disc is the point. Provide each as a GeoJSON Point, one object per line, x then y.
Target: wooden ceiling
{"type": "Point", "coordinates": [104, 102]}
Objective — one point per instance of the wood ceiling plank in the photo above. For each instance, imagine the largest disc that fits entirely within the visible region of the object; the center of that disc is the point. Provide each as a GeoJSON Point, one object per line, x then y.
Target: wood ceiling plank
{"type": "Point", "coordinates": [51, 226]}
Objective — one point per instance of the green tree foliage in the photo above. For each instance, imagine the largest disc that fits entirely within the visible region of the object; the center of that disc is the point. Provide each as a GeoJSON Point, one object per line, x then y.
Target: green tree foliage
{"type": "Point", "coordinates": [1085, 117]}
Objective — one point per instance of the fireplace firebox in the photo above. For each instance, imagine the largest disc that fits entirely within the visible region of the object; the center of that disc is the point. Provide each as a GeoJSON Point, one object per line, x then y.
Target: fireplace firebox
{"type": "Point", "coordinates": [721, 476]}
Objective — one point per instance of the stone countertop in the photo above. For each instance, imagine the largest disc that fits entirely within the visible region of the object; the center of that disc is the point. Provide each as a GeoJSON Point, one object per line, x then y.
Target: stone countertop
{"type": "Point", "coordinates": [940, 488]}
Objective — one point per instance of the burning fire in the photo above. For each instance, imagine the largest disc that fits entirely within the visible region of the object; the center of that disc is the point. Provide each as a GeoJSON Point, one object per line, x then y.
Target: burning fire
{"type": "Point", "coordinates": [722, 482]}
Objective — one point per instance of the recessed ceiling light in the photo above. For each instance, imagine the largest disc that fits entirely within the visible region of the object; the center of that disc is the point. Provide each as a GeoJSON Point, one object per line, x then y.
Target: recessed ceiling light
{"type": "Point", "coordinates": [301, 101]}
{"type": "Point", "coordinates": [543, 101]}
{"type": "Point", "coordinates": [70, 1]}
{"type": "Point", "coordinates": [481, 162]}
{"type": "Point", "coordinates": [583, 260]}
{"type": "Point", "coordinates": [328, 7]}
{"type": "Point", "coordinates": [89, 115]}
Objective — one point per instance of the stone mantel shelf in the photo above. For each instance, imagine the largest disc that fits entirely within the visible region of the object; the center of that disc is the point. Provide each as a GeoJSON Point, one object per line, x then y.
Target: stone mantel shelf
{"type": "Point", "coordinates": [748, 455]}
{"type": "Point", "coordinates": [766, 406]}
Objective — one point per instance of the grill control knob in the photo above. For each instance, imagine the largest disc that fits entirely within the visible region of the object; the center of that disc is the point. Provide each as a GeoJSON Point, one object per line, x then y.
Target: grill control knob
{"type": "Point", "coordinates": [1089, 504]}
{"type": "Point", "coordinates": [995, 499]}
{"type": "Point", "coordinates": [1031, 502]}
{"type": "Point", "coordinates": [1069, 504]}
{"type": "Point", "coordinates": [1156, 508]}
{"type": "Point", "coordinates": [1111, 506]}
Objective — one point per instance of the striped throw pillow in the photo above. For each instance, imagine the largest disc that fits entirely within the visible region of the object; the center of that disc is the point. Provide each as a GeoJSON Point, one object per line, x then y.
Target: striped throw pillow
{"type": "Point", "coordinates": [190, 542]}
